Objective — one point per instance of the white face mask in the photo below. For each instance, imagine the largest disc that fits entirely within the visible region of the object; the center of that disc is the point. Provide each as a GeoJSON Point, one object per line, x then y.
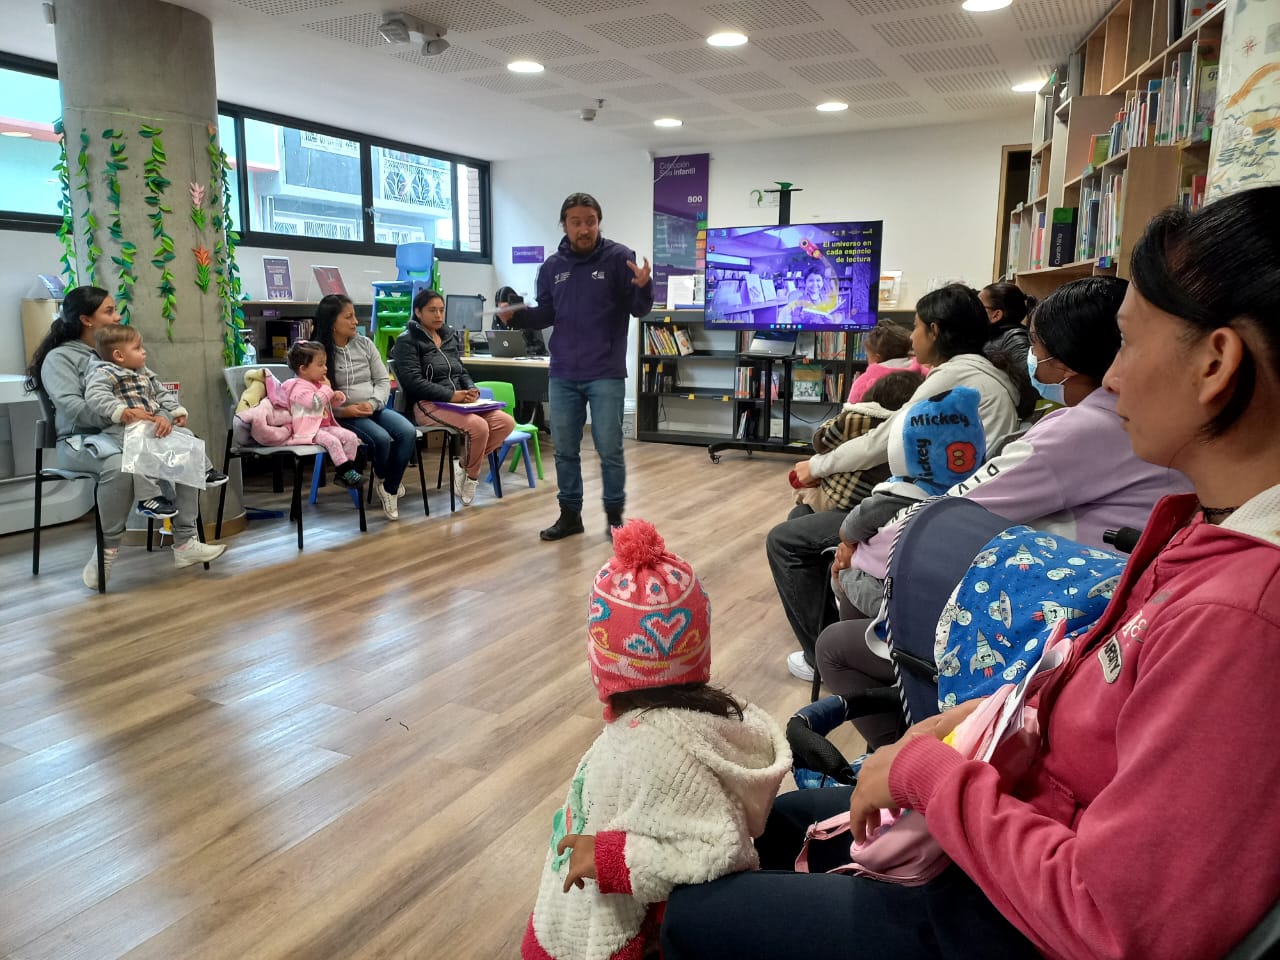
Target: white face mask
{"type": "Point", "coordinates": [1053, 392]}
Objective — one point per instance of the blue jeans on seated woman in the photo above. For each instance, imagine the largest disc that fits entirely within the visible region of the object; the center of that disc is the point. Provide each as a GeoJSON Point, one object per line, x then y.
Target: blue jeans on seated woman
{"type": "Point", "coordinates": [391, 438]}
{"type": "Point", "coordinates": [777, 913]}
{"type": "Point", "coordinates": [569, 402]}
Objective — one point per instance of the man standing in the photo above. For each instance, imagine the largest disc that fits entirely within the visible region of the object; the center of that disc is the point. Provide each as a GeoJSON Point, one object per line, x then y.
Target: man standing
{"type": "Point", "coordinates": [589, 289]}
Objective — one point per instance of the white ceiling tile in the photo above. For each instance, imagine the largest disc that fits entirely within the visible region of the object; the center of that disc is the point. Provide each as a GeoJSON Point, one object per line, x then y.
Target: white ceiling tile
{"type": "Point", "coordinates": [282, 8]}
{"type": "Point", "coordinates": [730, 83]}
{"type": "Point", "coordinates": [975, 80]}
{"type": "Point", "coordinates": [805, 118]}
{"type": "Point", "coordinates": [774, 101]}
{"type": "Point", "coordinates": [883, 90]}
{"type": "Point", "coordinates": [360, 29]}
{"type": "Point", "coordinates": [1042, 15]}
{"type": "Point", "coordinates": [542, 45]}
{"type": "Point", "coordinates": [986, 101]}
{"type": "Point", "coordinates": [879, 8]}
{"type": "Point", "coordinates": [806, 46]}
{"type": "Point", "coordinates": [888, 110]}
{"type": "Point", "coordinates": [647, 93]}
{"type": "Point", "coordinates": [696, 59]}
{"type": "Point", "coordinates": [919, 31]}
{"type": "Point", "coordinates": [512, 83]}
{"type": "Point", "coordinates": [951, 58]}
{"type": "Point", "coordinates": [562, 101]}
{"type": "Point", "coordinates": [586, 8]}
{"type": "Point", "coordinates": [762, 15]}
{"type": "Point", "coordinates": [454, 60]}
{"type": "Point", "coordinates": [599, 71]}
{"type": "Point", "coordinates": [839, 71]}
{"type": "Point", "coordinates": [466, 16]}
{"type": "Point", "coordinates": [1053, 48]}
{"type": "Point", "coordinates": [655, 31]}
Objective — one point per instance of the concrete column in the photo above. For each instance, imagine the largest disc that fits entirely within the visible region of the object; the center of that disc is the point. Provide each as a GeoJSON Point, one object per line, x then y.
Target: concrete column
{"type": "Point", "coordinates": [134, 67]}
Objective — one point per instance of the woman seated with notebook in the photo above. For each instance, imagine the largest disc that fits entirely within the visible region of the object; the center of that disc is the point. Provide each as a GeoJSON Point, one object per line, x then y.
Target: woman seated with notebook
{"type": "Point", "coordinates": [437, 386]}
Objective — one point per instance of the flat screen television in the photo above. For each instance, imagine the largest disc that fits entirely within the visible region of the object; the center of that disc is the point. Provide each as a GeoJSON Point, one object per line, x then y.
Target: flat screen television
{"type": "Point", "coordinates": [804, 276]}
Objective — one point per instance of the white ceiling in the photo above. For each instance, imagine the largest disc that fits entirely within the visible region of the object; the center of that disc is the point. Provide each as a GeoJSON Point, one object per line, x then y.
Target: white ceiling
{"type": "Point", "coordinates": [896, 62]}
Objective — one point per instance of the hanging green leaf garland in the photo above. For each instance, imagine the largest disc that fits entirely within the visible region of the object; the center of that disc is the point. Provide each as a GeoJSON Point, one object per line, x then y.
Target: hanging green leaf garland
{"type": "Point", "coordinates": [117, 161]}
{"type": "Point", "coordinates": [224, 252]}
{"type": "Point", "coordinates": [92, 251]}
{"type": "Point", "coordinates": [66, 230]}
{"type": "Point", "coordinates": [153, 177]}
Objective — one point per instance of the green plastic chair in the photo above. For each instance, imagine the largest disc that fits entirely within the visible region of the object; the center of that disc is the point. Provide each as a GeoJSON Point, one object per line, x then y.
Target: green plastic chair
{"type": "Point", "coordinates": [506, 393]}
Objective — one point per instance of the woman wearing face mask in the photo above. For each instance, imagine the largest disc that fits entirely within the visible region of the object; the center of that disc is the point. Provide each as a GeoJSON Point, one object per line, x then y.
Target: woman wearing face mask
{"type": "Point", "coordinates": [1073, 474]}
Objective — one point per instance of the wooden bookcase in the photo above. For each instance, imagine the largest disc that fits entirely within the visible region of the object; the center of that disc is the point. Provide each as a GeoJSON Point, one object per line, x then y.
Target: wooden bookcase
{"type": "Point", "coordinates": [696, 398]}
{"type": "Point", "coordinates": [1106, 83]}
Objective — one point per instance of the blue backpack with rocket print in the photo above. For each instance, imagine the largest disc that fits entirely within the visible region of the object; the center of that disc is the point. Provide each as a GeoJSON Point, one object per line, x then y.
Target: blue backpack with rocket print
{"type": "Point", "coordinates": [1018, 587]}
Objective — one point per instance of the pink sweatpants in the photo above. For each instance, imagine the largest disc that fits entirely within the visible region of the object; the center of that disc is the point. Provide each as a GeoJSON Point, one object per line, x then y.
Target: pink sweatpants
{"type": "Point", "coordinates": [339, 442]}
{"type": "Point", "coordinates": [484, 432]}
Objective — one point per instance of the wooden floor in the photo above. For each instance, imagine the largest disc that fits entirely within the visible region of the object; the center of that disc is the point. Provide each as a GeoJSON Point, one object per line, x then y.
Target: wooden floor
{"type": "Point", "coordinates": [350, 752]}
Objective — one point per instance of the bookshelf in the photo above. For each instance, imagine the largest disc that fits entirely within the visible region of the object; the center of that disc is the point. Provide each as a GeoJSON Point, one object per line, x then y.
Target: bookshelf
{"type": "Point", "coordinates": [1121, 131]}
{"type": "Point", "coordinates": [696, 387]}
{"type": "Point", "coordinates": [275, 324]}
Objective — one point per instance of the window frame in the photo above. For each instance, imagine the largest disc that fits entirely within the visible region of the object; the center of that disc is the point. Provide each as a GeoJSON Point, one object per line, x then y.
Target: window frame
{"type": "Point", "coordinates": [22, 219]}
{"type": "Point", "coordinates": [49, 223]}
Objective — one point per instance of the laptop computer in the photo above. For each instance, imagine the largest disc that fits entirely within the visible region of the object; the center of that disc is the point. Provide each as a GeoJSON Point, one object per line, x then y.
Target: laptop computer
{"type": "Point", "coordinates": [506, 343]}
{"type": "Point", "coordinates": [772, 343]}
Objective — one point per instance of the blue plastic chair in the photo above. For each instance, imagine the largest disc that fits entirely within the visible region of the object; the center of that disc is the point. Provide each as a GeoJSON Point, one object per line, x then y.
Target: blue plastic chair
{"type": "Point", "coordinates": [515, 440]}
{"type": "Point", "coordinates": [415, 260]}
{"type": "Point", "coordinates": [317, 472]}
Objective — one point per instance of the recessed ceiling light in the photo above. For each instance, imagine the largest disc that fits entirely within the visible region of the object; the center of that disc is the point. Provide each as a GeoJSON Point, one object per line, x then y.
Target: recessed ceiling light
{"type": "Point", "coordinates": [833, 106]}
{"type": "Point", "coordinates": [984, 6]}
{"type": "Point", "coordinates": [1028, 86]}
{"type": "Point", "coordinates": [668, 122]}
{"type": "Point", "coordinates": [727, 38]}
{"type": "Point", "coordinates": [14, 133]}
{"type": "Point", "coordinates": [525, 66]}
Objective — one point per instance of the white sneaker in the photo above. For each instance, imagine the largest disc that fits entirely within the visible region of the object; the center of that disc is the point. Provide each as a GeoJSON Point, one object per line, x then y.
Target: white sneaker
{"type": "Point", "coordinates": [459, 475]}
{"type": "Point", "coordinates": [378, 480]}
{"type": "Point", "coordinates": [799, 667]}
{"type": "Point", "coordinates": [90, 575]}
{"type": "Point", "coordinates": [193, 551]}
{"type": "Point", "coordinates": [468, 492]}
{"type": "Point", "coordinates": [390, 502]}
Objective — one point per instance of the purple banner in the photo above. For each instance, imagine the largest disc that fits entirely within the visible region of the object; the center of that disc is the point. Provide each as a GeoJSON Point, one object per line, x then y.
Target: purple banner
{"type": "Point", "coordinates": [680, 186]}
{"type": "Point", "coordinates": [527, 255]}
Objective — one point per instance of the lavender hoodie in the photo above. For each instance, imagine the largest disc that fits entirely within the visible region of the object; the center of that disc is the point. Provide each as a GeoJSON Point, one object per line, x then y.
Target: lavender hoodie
{"type": "Point", "coordinates": [590, 299]}
{"type": "Point", "coordinates": [1073, 474]}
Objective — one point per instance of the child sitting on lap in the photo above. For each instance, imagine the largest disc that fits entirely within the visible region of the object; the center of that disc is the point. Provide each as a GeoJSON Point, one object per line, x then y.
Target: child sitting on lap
{"type": "Point", "coordinates": [309, 398]}
{"type": "Point", "coordinates": [120, 380]}
{"type": "Point", "coordinates": [678, 783]}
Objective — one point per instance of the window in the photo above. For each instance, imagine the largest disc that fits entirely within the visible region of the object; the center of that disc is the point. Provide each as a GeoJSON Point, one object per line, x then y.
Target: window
{"type": "Point", "coordinates": [29, 105]}
{"type": "Point", "coordinates": [302, 183]}
{"type": "Point", "coordinates": [412, 198]}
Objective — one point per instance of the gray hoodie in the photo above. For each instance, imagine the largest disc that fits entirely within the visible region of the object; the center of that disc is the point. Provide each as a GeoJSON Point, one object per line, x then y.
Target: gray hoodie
{"type": "Point", "coordinates": [62, 375]}
{"type": "Point", "coordinates": [360, 372]}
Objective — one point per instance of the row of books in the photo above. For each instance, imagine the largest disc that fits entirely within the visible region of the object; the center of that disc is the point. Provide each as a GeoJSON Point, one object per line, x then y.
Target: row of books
{"type": "Point", "coordinates": [656, 378]}
{"type": "Point", "coordinates": [1191, 194]}
{"type": "Point", "coordinates": [1033, 180]}
{"type": "Point", "coordinates": [807, 383]}
{"type": "Point", "coordinates": [667, 341]}
{"type": "Point", "coordinates": [1101, 201]}
{"type": "Point", "coordinates": [749, 383]}
{"type": "Point", "coordinates": [1191, 92]}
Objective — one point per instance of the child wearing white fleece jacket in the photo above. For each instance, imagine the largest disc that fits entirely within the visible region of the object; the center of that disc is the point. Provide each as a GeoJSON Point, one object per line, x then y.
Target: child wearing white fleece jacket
{"type": "Point", "coordinates": [676, 786]}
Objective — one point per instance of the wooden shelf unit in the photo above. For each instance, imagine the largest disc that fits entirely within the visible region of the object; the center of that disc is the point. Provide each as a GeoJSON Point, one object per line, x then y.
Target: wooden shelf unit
{"type": "Point", "coordinates": [1118, 59]}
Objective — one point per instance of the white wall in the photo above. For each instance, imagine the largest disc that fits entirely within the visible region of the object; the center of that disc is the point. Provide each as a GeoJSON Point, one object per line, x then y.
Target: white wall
{"type": "Point", "coordinates": [23, 255]}
{"type": "Point", "coordinates": [935, 188]}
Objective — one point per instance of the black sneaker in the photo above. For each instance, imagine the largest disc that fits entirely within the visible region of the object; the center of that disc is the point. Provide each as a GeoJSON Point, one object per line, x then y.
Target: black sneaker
{"type": "Point", "coordinates": [214, 478]}
{"type": "Point", "coordinates": [348, 477]}
{"type": "Point", "coordinates": [569, 523]}
{"type": "Point", "coordinates": [614, 521]}
{"type": "Point", "coordinates": [161, 508]}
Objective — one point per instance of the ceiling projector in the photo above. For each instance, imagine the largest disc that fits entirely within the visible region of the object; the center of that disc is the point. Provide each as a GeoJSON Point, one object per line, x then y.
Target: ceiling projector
{"type": "Point", "coordinates": [401, 28]}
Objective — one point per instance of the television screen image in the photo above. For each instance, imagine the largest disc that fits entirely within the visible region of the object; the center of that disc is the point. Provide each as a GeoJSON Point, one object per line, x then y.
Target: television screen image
{"type": "Point", "coordinates": [464, 312]}
{"type": "Point", "coordinates": [804, 276]}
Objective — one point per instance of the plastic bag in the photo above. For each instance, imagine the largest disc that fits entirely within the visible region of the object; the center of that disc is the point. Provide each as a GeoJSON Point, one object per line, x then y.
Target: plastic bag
{"type": "Point", "coordinates": [178, 457]}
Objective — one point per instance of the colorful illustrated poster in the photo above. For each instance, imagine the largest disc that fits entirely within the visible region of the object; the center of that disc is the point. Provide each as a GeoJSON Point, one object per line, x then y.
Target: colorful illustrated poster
{"type": "Point", "coordinates": [1246, 135]}
{"type": "Point", "coordinates": [279, 284]}
{"type": "Point", "coordinates": [680, 187]}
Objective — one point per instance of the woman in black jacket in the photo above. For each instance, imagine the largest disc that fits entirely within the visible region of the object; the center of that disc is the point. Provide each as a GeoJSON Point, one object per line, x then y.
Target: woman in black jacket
{"type": "Point", "coordinates": [430, 372]}
{"type": "Point", "coordinates": [1007, 308]}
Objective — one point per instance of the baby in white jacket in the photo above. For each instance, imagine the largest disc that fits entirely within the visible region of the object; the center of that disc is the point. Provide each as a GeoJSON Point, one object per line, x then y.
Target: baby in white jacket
{"type": "Point", "coordinates": [676, 786]}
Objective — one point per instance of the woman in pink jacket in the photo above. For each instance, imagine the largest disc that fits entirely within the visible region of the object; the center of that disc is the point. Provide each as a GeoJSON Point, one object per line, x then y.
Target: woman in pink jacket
{"type": "Point", "coordinates": [1147, 826]}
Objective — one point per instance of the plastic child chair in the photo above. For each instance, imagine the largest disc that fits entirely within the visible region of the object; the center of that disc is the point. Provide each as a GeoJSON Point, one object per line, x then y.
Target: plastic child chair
{"type": "Point", "coordinates": [316, 473]}
{"type": "Point", "coordinates": [516, 439]}
{"type": "Point", "coordinates": [414, 260]}
{"type": "Point", "coordinates": [506, 392]}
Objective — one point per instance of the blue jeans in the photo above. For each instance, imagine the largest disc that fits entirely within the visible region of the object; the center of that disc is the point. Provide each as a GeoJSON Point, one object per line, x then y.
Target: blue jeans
{"type": "Point", "coordinates": [391, 438]}
{"type": "Point", "coordinates": [569, 402]}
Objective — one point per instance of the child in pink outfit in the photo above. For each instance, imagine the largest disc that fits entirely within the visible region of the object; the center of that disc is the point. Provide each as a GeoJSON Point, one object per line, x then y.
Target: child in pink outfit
{"type": "Point", "coordinates": [888, 348]}
{"type": "Point", "coordinates": [309, 397]}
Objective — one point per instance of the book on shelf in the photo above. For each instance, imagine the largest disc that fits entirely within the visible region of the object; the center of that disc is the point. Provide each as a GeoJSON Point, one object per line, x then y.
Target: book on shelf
{"type": "Point", "coordinates": [755, 290]}
{"type": "Point", "coordinates": [1062, 236]}
{"type": "Point", "coordinates": [329, 279]}
{"type": "Point", "coordinates": [806, 383]}
{"type": "Point", "coordinates": [1205, 102]}
{"type": "Point", "coordinates": [768, 289]}
{"type": "Point", "coordinates": [683, 343]}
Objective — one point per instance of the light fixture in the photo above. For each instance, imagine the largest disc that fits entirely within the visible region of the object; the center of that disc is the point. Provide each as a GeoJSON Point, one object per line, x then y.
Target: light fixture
{"type": "Point", "coordinates": [1028, 86]}
{"type": "Point", "coordinates": [14, 133]}
{"type": "Point", "coordinates": [833, 106]}
{"type": "Point", "coordinates": [525, 66]}
{"type": "Point", "coordinates": [727, 38]}
{"type": "Point", "coordinates": [668, 122]}
{"type": "Point", "coordinates": [396, 27]}
{"type": "Point", "coordinates": [985, 6]}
